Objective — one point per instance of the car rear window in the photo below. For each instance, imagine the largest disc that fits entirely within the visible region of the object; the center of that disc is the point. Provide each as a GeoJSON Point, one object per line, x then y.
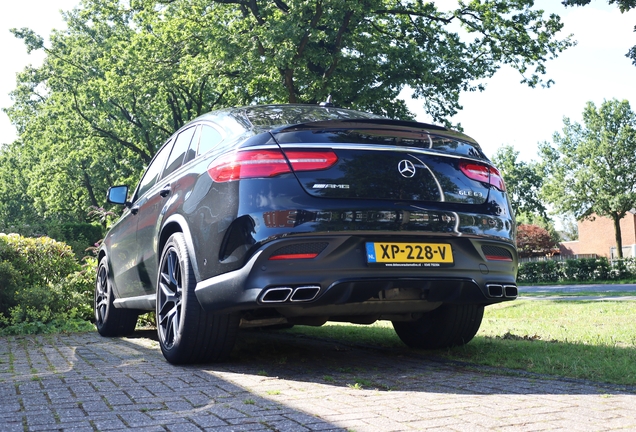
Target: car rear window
{"type": "Point", "coordinates": [270, 116]}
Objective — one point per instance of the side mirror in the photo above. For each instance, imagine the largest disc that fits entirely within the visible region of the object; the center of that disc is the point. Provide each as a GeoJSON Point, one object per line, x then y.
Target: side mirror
{"type": "Point", "coordinates": [117, 195]}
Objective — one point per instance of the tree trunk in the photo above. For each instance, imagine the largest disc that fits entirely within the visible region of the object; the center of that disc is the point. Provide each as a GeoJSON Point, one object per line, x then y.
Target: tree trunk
{"type": "Point", "coordinates": [89, 189]}
{"type": "Point", "coordinates": [289, 84]}
{"type": "Point", "coordinates": [617, 233]}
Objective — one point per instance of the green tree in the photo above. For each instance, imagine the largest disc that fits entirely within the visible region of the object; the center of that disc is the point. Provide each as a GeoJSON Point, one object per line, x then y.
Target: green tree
{"type": "Point", "coordinates": [16, 206]}
{"type": "Point", "coordinates": [126, 74]}
{"type": "Point", "coordinates": [570, 229]}
{"type": "Point", "coordinates": [590, 168]}
{"type": "Point", "coordinates": [533, 240]}
{"type": "Point", "coordinates": [541, 221]}
{"type": "Point", "coordinates": [523, 181]}
{"type": "Point", "coordinates": [623, 6]}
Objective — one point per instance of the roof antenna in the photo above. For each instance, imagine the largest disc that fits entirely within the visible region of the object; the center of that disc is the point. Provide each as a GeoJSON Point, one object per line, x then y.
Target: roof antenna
{"type": "Point", "coordinates": [328, 103]}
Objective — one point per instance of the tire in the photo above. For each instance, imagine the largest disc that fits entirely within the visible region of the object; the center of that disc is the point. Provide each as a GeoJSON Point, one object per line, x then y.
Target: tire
{"type": "Point", "coordinates": [446, 326]}
{"type": "Point", "coordinates": [109, 320]}
{"type": "Point", "coordinates": [187, 333]}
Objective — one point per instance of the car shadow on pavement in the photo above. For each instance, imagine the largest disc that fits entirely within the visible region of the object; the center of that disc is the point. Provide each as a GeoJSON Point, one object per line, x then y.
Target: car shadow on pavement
{"type": "Point", "coordinates": [328, 362]}
{"type": "Point", "coordinates": [86, 382]}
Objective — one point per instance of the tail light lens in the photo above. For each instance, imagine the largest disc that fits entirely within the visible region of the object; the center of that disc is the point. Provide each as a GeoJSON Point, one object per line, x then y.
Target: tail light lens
{"type": "Point", "coordinates": [248, 164]}
{"type": "Point", "coordinates": [483, 173]}
{"type": "Point", "coordinates": [268, 163]}
{"type": "Point", "coordinates": [311, 160]}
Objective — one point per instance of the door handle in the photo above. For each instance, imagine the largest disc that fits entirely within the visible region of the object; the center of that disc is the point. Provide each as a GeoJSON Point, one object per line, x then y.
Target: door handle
{"type": "Point", "coordinates": [165, 191]}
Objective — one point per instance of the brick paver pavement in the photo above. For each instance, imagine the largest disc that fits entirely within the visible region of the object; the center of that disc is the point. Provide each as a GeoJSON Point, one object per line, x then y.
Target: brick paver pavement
{"type": "Point", "coordinates": [282, 382]}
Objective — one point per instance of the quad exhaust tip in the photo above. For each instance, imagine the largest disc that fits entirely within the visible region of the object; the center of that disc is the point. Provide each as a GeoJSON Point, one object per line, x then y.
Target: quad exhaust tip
{"type": "Point", "coordinates": [305, 293]}
{"type": "Point", "coordinates": [276, 295]}
{"type": "Point", "coordinates": [499, 291]}
{"type": "Point", "coordinates": [289, 294]}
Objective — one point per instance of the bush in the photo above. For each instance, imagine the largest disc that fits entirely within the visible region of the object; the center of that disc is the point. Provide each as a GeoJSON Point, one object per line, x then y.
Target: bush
{"type": "Point", "coordinates": [579, 270]}
{"type": "Point", "coordinates": [78, 235]}
{"type": "Point", "coordinates": [538, 271]}
{"type": "Point", "coordinates": [9, 283]}
{"type": "Point", "coordinates": [42, 282]}
{"type": "Point", "coordinates": [40, 261]}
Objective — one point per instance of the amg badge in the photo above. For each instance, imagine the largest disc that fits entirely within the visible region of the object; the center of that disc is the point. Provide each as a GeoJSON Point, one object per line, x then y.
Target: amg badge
{"type": "Point", "coordinates": [330, 186]}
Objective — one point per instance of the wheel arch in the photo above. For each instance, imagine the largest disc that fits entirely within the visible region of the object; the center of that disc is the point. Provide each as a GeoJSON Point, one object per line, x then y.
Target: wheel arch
{"type": "Point", "coordinates": [177, 223]}
{"type": "Point", "coordinates": [103, 253]}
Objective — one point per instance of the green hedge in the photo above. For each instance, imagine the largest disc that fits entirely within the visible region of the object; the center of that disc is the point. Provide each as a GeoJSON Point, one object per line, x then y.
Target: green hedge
{"type": "Point", "coordinates": [78, 235]}
{"type": "Point", "coordinates": [41, 281]}
{"type": "Point", "coordinates": [577, 270]}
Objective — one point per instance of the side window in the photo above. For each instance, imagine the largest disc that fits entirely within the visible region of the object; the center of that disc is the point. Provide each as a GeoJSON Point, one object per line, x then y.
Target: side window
{"type": "Point", "coordinates": [153, 171]}
{"type": "Point", "coordinates": [210, 137]}
{"type": "Point", "coordinates": [178, 152]}
{"type": "Point", "coordinates": [192, 150]}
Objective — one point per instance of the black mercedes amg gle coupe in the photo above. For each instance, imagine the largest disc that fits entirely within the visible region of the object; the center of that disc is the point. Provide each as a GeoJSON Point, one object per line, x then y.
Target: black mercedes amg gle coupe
{"type": "Point", "coordinates": [285, 215]}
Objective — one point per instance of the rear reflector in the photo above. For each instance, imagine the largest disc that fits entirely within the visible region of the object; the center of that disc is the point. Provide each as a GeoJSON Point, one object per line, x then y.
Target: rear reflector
{"type": "Point", "coordinates": [497, 258]}
{"type": "Point", "coordinates": [483, 173]}
{"type": "Point", "coordinates": [299, 251]}
{"type": "Point", "coordinates": [293, 256]}
{"type": "Point", "coordinates": [268, 163]}
{"type": "Point", "coordinates": [496, 253]}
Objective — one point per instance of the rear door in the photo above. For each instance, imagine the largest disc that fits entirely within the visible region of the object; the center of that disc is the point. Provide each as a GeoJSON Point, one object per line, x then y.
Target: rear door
{"type": "Point", "coordinates": [130, 278]}
{"type": "Point", "coordinates": [153, 203]}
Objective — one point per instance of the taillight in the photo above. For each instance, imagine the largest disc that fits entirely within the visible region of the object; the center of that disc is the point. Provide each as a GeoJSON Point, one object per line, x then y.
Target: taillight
{"type": "Point", "coordinates": [483, 173]}
{"type": "Point", "coordinates": [268, 163]}
{"type": "Point", "coordinates": [497, 180]}
{"type": "Point", "coordinates": [248, 164]}
{"type": "Point", "coordinates": [303, 160]}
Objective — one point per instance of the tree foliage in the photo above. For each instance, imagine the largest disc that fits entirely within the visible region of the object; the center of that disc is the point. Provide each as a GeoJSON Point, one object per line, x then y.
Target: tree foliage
{"type": "Point", "coordinates": [523, 182]}
{"type": "Point", "coordinates": [590, 167]}
{"type": "Point", "coordinates": [16, 206]}
{"type": "Point", "coordinates": [623, 6]}
{"type": "Point", "coordinates": [541, 221]}
{"type": "Point", "coordinates": [533, 240]}
{"type": "Point", "coordinates": [126, 74]}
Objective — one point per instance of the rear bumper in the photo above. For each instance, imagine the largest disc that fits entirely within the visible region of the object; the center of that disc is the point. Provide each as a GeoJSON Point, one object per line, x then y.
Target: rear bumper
{"type": "Point", "coordinates": [339, 277]}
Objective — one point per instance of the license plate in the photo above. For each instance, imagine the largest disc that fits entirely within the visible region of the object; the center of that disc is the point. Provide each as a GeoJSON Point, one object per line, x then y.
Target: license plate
{"type": "Point", "coordinates": [409, 254]}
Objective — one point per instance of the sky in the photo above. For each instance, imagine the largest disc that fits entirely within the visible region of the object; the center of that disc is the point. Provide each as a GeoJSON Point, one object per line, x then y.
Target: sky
{"type": "Point", "coordinates": [506, 113]}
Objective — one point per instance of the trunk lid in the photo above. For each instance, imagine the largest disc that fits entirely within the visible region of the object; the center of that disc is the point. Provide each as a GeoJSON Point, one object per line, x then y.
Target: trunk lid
{"type": "Point", "coordinates": [390, 160]}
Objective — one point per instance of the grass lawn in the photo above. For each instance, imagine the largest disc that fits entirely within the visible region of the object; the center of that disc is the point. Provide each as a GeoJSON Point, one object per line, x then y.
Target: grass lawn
{"type": "Point", "coordinates": [556, 293]}
{"type": "Point", "coordinates": [575, 282]}
{"type": "Point", "coordinates": [578, 339]}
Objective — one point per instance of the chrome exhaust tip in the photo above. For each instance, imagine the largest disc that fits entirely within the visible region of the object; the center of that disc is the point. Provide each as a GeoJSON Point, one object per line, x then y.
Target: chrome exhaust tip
{"type": "Point", "coordinates": [305, 293]}
{"type": "Point", "coordinates": [276, 295]}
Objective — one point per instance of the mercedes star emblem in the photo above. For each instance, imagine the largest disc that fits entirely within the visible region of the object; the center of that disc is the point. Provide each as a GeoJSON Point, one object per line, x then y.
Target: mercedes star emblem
{"type": "Point", "coordinates": [406, 168]}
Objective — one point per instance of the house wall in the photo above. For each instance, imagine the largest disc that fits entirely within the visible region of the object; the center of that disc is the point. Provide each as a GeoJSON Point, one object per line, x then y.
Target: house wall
{"type": "Point", "coordinates": [597, 236]}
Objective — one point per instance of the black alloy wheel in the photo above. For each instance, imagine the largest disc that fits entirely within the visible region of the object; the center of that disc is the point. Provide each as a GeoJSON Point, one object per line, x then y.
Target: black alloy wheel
{"type": "Point", "coordinates": [187, 333]}
{"type": "Point", "coordinates": [109, 320]}
{"type": "Point", "coordinates": [169, 297]}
